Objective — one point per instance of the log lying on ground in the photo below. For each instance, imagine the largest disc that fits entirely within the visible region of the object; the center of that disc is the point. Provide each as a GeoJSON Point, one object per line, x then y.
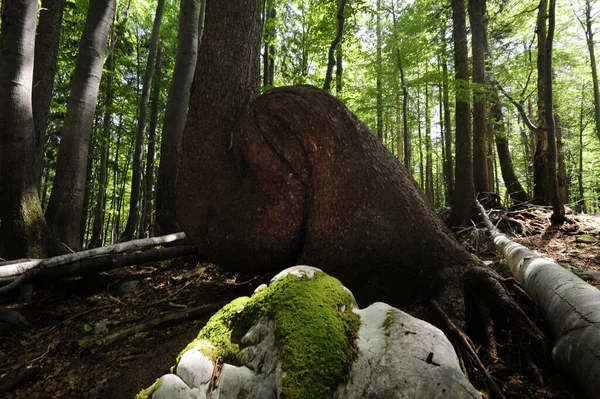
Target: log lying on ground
{"type": "Point", "coordinates": [91, 261]}
{"type": "Point", "coordinates": [570, 305]}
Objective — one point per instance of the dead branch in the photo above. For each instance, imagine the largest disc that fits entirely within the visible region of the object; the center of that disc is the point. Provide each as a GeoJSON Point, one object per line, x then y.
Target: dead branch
{"type": "Point", "coordinates": [162, 321]}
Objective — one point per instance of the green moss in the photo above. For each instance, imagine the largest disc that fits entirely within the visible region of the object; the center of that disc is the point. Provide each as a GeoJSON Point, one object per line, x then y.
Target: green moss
{"type": "Point", "coordinates": [315, 332]}
{"type": "Point", "coordinates": [214, 340]}
{"type": "Point", "coordinates": [388, 322]}
{"type": "Point", "coordinates": [146, 393]}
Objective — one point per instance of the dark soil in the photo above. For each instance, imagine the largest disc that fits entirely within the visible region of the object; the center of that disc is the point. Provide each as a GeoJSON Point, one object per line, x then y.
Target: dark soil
{"type": "Point", "coordinates": [62, 355]}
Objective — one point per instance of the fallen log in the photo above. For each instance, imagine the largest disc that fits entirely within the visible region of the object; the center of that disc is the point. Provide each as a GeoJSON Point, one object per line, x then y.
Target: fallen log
{"type": "Point", "coordinates": [91, 261]}
{"type": "Point", "coordinates": [570, 305]}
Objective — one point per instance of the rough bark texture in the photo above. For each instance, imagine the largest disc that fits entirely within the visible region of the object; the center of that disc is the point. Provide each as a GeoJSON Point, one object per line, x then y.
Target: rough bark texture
{"type": "Point", "coordinates": [23, 230]}
{"type": "Point", "coordinates": [46, 52]}
{"type": "Point", "coordinates": [175, 113]}
{"type": "Point", "coordinates": [479, 39]}
{"type": "Point", "coordinates": [465, 209]}
{"type": "Point", "coordinates": [67, 195]}
{"type": "Point", "coordinates": [136, 173]}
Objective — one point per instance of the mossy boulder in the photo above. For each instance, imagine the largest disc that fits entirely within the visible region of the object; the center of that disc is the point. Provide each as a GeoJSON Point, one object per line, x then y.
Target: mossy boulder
{"type": "Point", "coordinates": [303, 337]}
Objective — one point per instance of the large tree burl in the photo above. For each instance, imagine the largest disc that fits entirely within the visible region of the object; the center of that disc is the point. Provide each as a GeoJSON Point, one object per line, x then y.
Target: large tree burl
{"type": "Point", "coordinates": [304, 181]}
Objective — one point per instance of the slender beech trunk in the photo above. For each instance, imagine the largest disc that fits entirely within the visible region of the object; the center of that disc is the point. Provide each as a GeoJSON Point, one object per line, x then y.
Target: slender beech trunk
{"type": "Point", "coordinates": [339, 69]}
{"type": "Point", "coordinates": [478, 36]}
{"type": "Point", "coordinates": [447, 130]}
{"type": "Point", "coordinates": [68, 190]}
{"type": "Point", "coordinates": [98, 237]}
{"type": "Point", "coordinates": [44, 69]}
{"type": "Point", "coordinates": [146, 224]}
{"type": "Point", "coordinates": [589, 35]}
{"type": "Point", "coordinates": [513, 187]}
{"type": "Point", "coordinates": [465, 208]}
{"type": "Point", "coordinates": [136, 177]}
{"type": "Point", "coordinates": [421, 168]}
{"type": "Point", "coordinates": [269, 41]}
{"type": "Point", "coordinates": [399, 146]}
{"type": "Point", "coordinates": [378, 72]}
{"type": "Point", "coordinates": [23, 230]}
{"type": "Point", "coordinates": [89, 188]}
{"type": "Point", "coordinates": [334, 44]}
{"type": "Point", "coordinates": [561, 172]}
{"type": "Point", "coordinates": [558, 209]}
{"type": "Point", "coordinates": [582, 207]}
{"type": "Point", "coordinates": [428, 152]}
{"type": "Point", "coordinates": [175, 115]}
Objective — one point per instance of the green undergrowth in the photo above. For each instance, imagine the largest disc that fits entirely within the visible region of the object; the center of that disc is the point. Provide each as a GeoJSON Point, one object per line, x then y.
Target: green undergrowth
{"type": "Point", "coordinates": [315, 332]}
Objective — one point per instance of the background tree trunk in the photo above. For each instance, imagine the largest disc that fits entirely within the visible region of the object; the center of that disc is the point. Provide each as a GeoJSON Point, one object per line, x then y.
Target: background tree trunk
{"type": "Point", "coordinates": [46, 52]}
{"type": "Point", "coordinates": [175, 114]}
{"type": "Point", "coordinates": [334, 44]}
{"type": "Point", "coordinates": [589, 35]}
{"type": "Point", "coordinates": [23, 231]}
{"type": "Point", "coordinates": [136, 176]}
{"type": "Point", "coordinates": [378, 72]}
{"type": "Point", "coordinates": [67, 194]}
{"type": "Point", "coordinates": [477, 15]}
{"type": "Point", "coordinates": [449, 167]}
{"type": "Point", "coordinates": [465, 209]}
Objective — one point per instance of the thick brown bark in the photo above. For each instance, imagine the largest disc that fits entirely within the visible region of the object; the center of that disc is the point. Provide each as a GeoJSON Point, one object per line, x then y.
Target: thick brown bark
{"type": "Point", "coordinates": [175, 114]}
{"type": "Point", "coordinates": [334, 44]}
{"type": "Point", "coordinates": [46, 52]}
{"type": "Point", "coordinates": [513, 187]}
{"type": "Point", "coordinates": [558, 209]}
{"type": "Point", "coordinates": [479, 38]}
{"type": "Point", "coordinates": [67, 194]}
{"type": "Point", "coordinates": [136, 173]}
{"type": "Point", "coordinates": [23, 231]}
{"type": "Point", "coordinates": [465, 209]}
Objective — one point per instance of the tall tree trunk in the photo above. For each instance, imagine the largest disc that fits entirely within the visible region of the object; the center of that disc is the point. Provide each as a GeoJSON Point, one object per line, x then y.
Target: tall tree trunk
{"type": "Point", "coordinates": [23, 230]}
{"type": "Point", "coordinates": [589, 35]}
{"type": "Point", "coordinates": [146, 224]}
{"type": "Point", "coordinates": [67, 194]}
{"type": "Point", "coordinates": [447, 131]}
{"type": "Point", "coordinates": [212, 119]}
{"type": "Point", "coordinates": [464, 210]}
{"type": "Point", "coordinates": [379, 72]}
{"type": "Point", "coordinates": [581, 207]}
{"type": "Point", "coordinates": [407, 137]}
{"type": "Point", "coordinates": [98, 237]}
{"type": "Point", "coordinates": [44, 69]}
{"type": "Point", "coordinates": [541, 163]}
{"type": "Point", "coordinates": [419, 126]}
{"type": "Point", "coordinates": [513, 187]}
{"type": "Point", "coordinates": [558, 209]}
{"type": "Point", "coordinates": [339, 69]}
{"type": "Point", "coordinates": [175, 114]}
{"type": "Point", "coordinates": [136, 177]}
{"type": "Point", "coordinates": [269, 40]}
{"type": "Point", "coordinates": [334, 44]}
{"type": "Point", "coordinates": [428, 151]}
{"type": "Point", "coordinates": [561, 172]}
{"type": "Point", "coordinates": [399, 134]}
{"type": "Point", "coordinates": [89, 187]}
{"type": "Point", "coordinates": [477, 15]}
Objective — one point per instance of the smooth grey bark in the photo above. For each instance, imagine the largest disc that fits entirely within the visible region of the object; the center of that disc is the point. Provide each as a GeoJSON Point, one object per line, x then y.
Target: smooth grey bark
{"type": "Point", "coordinates": [146, 227]}
{"type": "Point", "coordinates": [67, 194]}
{"type": "Point", "coordinates": [136, 177]}
{"type": "Point", "coordinates": [175, 114]}
{"type": "Point", "coordinates": [44, 69]}
{"type": "Point", "coordinates": [336, 41]}
{"type": "Point", "coordinates": [97, 239]}
{"type": "Point", "coordinates": [23, 230]}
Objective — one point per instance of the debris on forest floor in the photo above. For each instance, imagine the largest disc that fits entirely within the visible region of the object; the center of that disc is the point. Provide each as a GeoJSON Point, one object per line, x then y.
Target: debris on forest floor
{"type": "Point", "coordinates": [62, 355]}
{"type": "Point", "coordinates": [87, 335]}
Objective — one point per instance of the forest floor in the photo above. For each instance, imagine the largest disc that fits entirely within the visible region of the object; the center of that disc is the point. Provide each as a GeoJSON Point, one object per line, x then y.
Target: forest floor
{"type": "Point", "coordinates": [67, 354]}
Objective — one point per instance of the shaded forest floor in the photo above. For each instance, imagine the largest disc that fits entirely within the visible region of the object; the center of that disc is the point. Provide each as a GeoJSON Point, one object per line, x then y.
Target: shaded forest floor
{"type": "Point", "coordinates": [65, 354]}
